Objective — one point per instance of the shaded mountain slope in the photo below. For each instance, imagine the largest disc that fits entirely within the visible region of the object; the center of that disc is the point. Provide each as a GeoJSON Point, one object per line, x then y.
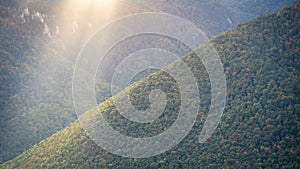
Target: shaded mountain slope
{"type": "Point", "coordinates": [216, 16]}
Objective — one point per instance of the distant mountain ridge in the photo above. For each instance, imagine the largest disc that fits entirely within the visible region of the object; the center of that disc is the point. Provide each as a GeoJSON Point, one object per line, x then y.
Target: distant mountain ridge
{"type": "Point", "coordinates": [215, 16]}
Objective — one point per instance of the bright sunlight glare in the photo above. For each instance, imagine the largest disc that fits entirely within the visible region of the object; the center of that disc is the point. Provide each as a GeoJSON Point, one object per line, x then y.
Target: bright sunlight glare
{"type": "Point", "coordinates": [85, 16]}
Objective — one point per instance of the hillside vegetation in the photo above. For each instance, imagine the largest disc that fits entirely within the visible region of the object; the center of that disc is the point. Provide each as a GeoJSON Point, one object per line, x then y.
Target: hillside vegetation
{"type": "Point", "coordinates": [260, 125]}
{"type": "Point", "coordinates": [40, 41]}
{"type": "Point", "coordinates": [36, 69]}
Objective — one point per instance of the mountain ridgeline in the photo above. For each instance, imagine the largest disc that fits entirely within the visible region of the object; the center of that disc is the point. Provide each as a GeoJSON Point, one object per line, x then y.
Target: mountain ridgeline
{"type": "Point", "coordinates": [259, 127]}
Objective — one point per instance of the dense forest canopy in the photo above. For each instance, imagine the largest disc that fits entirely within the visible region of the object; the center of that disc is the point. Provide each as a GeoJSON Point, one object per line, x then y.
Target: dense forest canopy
{"type": "Point", "coordinates": [40, 40]}
{"type": "Point", "coordinates": [260, 124]}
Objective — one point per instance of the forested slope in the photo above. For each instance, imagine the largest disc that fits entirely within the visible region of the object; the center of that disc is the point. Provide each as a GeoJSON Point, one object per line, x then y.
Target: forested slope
{"type": "Point", "coordinates": [40, 41]}
{"type": "Point", "coordinates": [260, 125]}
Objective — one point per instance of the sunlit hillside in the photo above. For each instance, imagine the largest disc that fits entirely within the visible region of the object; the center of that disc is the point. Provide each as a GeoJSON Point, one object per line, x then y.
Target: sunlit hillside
{"type": "Point", "coordinates": [259, 127]}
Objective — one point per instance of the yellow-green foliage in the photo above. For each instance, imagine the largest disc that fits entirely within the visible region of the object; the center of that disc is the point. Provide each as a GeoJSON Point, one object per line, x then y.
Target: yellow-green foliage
{"type": "Point", "coordinates": [260, 125]}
